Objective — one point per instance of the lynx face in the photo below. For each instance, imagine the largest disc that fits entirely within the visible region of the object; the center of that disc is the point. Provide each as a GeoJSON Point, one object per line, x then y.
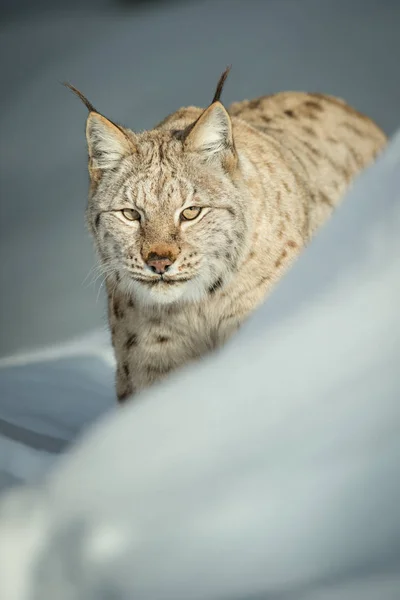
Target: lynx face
{"type": "Point", "coordinates": [167, 212]}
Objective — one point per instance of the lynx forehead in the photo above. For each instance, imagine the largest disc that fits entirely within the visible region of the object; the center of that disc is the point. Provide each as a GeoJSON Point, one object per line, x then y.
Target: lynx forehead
{"type": "Point", "coordinates": [195, 220]}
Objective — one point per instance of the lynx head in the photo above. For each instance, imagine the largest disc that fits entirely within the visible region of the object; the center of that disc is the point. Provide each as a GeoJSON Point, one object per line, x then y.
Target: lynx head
{"type": "Point", "coordinates": [167, 207]}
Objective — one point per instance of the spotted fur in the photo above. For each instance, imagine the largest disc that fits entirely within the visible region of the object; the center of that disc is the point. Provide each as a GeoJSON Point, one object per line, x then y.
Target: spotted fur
{"type": "Point", "coordinates": [266, 173]}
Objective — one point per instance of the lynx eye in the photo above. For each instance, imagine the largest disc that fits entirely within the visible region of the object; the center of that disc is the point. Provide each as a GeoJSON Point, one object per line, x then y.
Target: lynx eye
{"type": "Point", "coordinates": [190, 213]}
{"type": "Point", "coordinates": [130, 214]}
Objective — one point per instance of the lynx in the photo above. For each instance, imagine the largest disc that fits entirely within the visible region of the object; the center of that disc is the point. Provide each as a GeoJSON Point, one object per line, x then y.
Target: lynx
{"type": "Point", "coordinates": [196, 220]}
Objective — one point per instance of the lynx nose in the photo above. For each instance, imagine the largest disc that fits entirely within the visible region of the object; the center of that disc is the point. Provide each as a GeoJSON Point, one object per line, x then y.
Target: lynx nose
{"type": "Point", "coordinates": [158, 264]}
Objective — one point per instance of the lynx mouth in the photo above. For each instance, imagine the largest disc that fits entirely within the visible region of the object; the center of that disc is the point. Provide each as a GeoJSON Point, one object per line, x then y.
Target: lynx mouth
{"type": "Point", "coordinates": [174, 280]}
{"type": "Point", "coordinates": [162, 280]}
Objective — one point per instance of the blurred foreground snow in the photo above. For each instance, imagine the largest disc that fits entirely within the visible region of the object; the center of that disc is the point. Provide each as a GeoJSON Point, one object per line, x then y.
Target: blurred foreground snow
{"type": "Point", "coordinates": [270, 470]}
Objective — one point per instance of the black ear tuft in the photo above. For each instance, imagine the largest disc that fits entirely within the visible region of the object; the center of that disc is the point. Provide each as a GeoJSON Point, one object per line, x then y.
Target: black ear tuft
{"type": "Point", "coordinates": [81, 97]}
{"type": "Point", "coordinates": [220, 85]}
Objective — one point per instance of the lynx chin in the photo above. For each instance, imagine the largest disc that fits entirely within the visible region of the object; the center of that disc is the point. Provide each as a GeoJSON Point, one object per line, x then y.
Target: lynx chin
{"type": "Point", "coordinates": [195, 220]}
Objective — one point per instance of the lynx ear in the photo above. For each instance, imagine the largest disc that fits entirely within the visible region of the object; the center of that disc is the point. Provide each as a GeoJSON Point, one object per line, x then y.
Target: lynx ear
{"type": "Point", "coordinates": [107, 143]}
{"type": "Point", "coordinates": [211, 135]}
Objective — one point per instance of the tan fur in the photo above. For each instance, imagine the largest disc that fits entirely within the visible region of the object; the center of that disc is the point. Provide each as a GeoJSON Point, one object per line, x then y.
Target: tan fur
{"type": "Point", "coordinates": [270, 173]}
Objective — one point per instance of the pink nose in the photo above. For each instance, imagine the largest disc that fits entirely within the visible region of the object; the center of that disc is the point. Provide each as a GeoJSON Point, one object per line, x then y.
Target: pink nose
{"type": "Point", "coordinates": [159, 264]}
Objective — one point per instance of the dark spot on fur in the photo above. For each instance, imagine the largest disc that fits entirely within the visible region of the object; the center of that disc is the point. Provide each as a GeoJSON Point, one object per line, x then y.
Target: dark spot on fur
{"type": "Point", "coordinates": [339, 168]}
{"type": "Point", "coordinates": [172, 309]}
{"type": "Point", "coordinates": [312, 148]}
{"type": "Point", "coordinates": [325, 200]}
{"type": "Point", "coordinates": [353, 129]}
{"type": "Point", "coordinates": [264, 280]}
{"type": "Point", "coordinates": [313, 105]}
{"type": "Point", "coordinates": [125, 368]}
{"type": "Point", "coordinates": [215, 286]}
{"type": "Point", "coordinates": [309, 131]}
{"type": "Point", "coordinates": [279, 261]}
{"type": "Point", "coordinates": [131, 303]}
{"type": "Point", "coordinates": [131, 341]}
{"type": "Point", "coordinates": [161, 339]}
{"type": "Point", "coordinates": [266, 119]}
{"type": "Point", "coordinates": [292, 244]}
{"type": "Point", "coordinates": [239, 235]}
{"type": "Point", "coordinates": [287, 187]}
{"type": "Point", "coordinates": [289, 113]}
{"type": "Point", "coordinates": [281, 230]}
{"type": "Point", "coordinates": [117, 277]}
{"type": "Point", "coordinates": [97, 220]}
{"type": "Point", "coordinates": [254, 103]}
{"type": "Point", "coordinates": [155, 320]}
{"type": "Point", "coordinates": [118, 312]}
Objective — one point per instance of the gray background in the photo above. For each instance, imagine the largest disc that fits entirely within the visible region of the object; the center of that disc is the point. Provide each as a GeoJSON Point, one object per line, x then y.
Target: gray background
{"type": "Point", "coordinates": [136, 62]}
